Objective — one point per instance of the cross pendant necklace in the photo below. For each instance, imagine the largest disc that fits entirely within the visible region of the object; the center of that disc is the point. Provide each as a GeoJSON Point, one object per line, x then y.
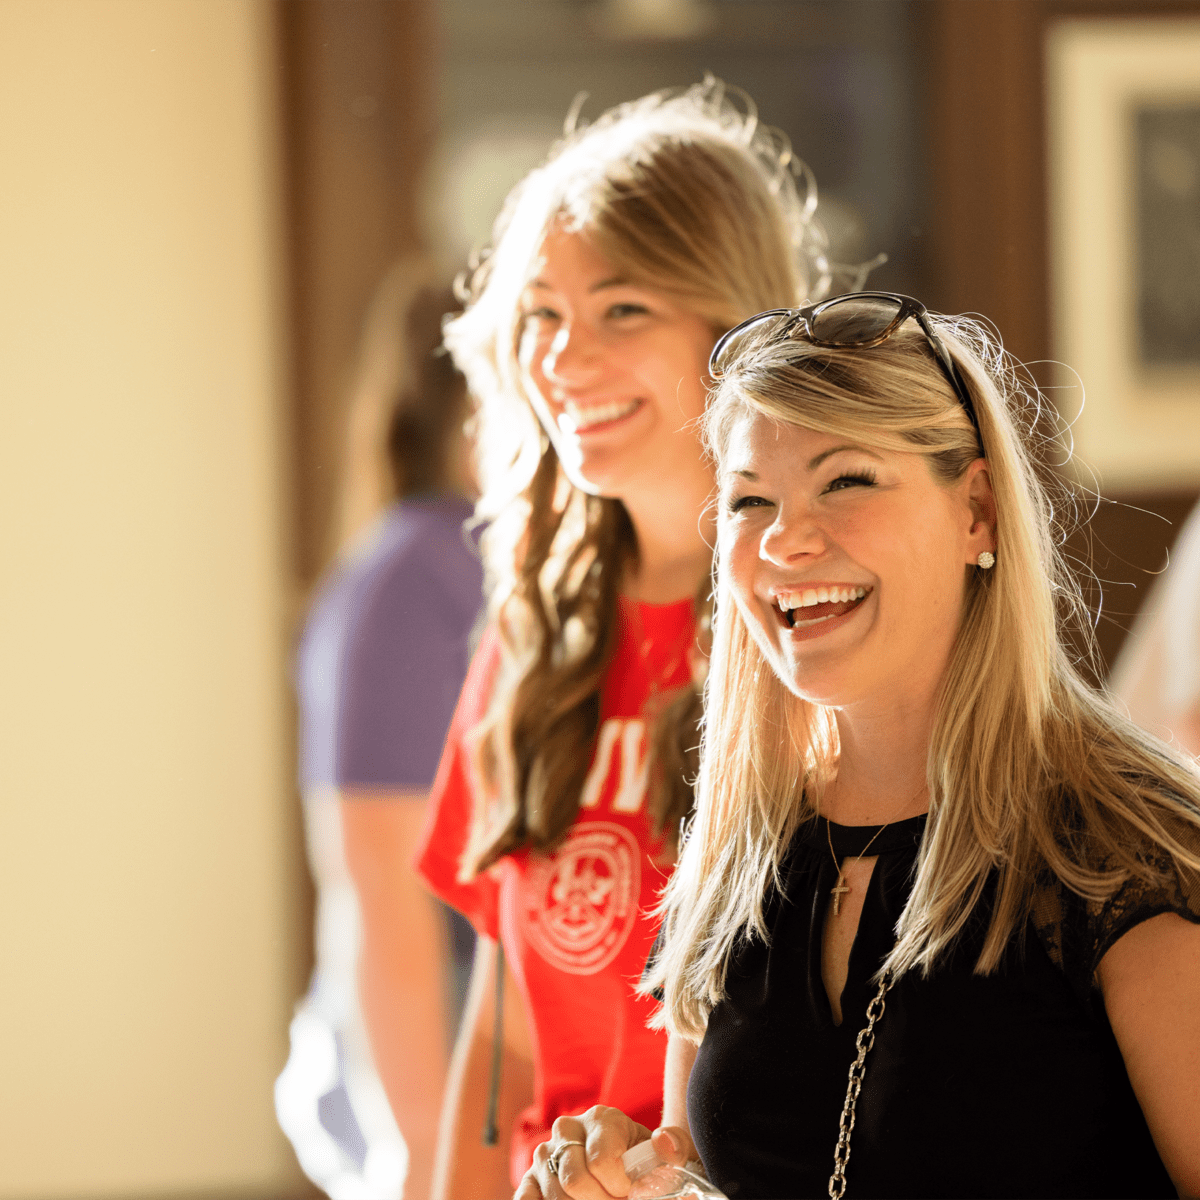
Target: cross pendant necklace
{"type": "Point", "coordinates": [837, 889]}
{"type": "Point", "coordinates": [840, 888]}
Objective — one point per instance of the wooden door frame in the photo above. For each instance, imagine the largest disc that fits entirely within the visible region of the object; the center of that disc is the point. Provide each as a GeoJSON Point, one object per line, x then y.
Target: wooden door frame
{"type": "Point", "coordinates": [989, 212]}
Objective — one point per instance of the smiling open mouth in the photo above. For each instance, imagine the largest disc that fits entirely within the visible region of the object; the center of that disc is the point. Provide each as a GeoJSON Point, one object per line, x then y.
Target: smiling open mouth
{"type": "Point", "coordinates": [578, 419]}
{"type": "Point", "coordinates": [812, 606]}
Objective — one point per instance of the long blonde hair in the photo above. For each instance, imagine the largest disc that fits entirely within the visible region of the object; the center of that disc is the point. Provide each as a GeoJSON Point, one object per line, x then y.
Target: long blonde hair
{"type": "Point", "coordinates": [684, 192]}
{"type": "Point", "coordinates": [1032, 774]}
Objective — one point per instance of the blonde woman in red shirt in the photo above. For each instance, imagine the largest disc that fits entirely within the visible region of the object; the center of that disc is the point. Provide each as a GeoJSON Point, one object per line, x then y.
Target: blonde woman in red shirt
{"type": "Point", "coordinates": [568, 768]}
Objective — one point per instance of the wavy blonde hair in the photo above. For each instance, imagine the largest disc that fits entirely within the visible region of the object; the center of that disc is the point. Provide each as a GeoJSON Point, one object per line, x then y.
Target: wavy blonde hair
{"type": "Point", "coordinates": [1032, 774]}
{"type": "Point", "coordinates": [684, 192]}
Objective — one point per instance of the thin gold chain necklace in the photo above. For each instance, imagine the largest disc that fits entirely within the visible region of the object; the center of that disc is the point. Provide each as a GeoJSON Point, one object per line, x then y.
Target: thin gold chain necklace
{"type": "Point", "coordinates": [841, 888]}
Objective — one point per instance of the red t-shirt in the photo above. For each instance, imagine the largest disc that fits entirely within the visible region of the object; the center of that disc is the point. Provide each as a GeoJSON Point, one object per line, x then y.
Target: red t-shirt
{"type": "Point", "coordinates": [574, 923]}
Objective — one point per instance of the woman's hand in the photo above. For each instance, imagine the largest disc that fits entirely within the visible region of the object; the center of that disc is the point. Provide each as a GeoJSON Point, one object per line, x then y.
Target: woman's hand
{"type": "Point", "coordinates": [582, 1159]}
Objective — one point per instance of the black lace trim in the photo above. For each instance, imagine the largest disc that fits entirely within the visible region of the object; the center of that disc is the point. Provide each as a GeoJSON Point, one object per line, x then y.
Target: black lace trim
{"type": "Point", "coordinates": [1077, 932]}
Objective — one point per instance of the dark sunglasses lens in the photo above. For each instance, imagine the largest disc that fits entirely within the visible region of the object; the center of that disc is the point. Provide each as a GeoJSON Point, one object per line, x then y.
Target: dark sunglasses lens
{"type": "Point", "coordinates": [855, 321]}
{"type": "Point", "coordinates": [738, 341]}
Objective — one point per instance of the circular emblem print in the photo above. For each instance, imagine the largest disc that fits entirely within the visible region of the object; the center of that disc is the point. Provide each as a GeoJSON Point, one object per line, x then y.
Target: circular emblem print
{"type": "Point", "coordinates": [581, 901]}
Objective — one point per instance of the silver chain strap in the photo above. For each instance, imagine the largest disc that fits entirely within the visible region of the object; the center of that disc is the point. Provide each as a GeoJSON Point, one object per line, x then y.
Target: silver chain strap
{"type": "Point", "coordinates": [858, 1071]}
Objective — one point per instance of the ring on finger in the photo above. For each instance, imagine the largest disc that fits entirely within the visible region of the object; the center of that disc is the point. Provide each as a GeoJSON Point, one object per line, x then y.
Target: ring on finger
{"type": "Point", "coordinates": [556, 1154]}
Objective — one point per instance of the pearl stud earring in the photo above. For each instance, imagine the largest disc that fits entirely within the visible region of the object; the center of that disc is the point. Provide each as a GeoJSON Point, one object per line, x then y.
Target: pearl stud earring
{"type": "Point", "coordinates": [987, 560]}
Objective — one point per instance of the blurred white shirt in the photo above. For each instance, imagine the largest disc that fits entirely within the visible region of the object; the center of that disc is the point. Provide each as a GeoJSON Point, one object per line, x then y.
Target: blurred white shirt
{"type": "Point", "coordinates": [1157, 673]}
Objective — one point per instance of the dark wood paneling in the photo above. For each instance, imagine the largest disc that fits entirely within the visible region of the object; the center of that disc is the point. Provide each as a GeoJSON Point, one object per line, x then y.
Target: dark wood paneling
{"type": "Point", "coordinates": [1126, 544]}
{"type": "Point", "coordinates": [985, 96]}
{"type": "Point", "coordinates": [358, 82]}
{"type": "Point", "coordinates": [986, 183]}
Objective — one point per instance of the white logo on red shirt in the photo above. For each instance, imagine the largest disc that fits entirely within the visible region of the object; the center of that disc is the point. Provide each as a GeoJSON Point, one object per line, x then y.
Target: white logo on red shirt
{"type": "Point", "coordinates": [580, 902]}
{"type": "Point", "coordinates": [622, 738]}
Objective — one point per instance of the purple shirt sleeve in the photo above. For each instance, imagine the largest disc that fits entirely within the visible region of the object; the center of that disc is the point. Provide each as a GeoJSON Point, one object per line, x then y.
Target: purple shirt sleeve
{"type": "Point", "coordinates": [404, 657]}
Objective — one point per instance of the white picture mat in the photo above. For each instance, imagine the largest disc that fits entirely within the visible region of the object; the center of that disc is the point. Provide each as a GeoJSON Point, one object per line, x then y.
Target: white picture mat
{"type": "Point", "coordinates": [1138, 428]}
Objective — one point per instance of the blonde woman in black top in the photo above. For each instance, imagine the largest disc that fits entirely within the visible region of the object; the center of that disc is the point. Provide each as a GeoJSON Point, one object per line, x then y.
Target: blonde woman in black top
{"type": "Point", "coordinates": [912, 814]}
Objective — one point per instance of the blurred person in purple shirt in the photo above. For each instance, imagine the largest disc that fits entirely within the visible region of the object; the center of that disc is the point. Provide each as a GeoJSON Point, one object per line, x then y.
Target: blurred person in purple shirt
{"type": "Point", "coordinates": [380, 665]}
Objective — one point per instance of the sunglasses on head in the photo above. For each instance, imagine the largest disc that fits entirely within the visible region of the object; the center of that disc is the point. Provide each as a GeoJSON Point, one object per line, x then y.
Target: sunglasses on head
{"type": "Point", "coordinates": [856, 320]}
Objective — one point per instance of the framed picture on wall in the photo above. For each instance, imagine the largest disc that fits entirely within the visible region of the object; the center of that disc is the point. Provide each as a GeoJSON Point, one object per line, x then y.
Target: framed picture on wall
{"type": "Point", "coordinates": [1123, 138]}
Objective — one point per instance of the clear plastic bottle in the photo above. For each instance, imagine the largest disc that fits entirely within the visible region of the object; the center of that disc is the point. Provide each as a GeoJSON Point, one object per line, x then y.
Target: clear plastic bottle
{"type": "Point", "coordinates": [654, 1179]}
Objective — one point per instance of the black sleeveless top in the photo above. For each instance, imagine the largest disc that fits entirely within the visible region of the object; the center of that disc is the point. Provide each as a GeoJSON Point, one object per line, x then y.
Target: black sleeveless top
{"type": "Point", "coordinates": [1004, 1085]}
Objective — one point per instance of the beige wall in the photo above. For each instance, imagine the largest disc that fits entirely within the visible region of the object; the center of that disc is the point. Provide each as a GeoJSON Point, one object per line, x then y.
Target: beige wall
{"type": "Point", "coordinates": [146, 939]}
